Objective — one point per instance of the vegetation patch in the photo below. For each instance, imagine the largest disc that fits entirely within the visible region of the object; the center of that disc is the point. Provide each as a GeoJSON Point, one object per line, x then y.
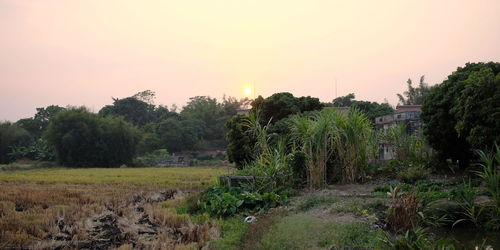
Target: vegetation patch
{"type": "Point", "coordinates": [304, 231]}
{"type": "Point", "coordinates": [316, 200]}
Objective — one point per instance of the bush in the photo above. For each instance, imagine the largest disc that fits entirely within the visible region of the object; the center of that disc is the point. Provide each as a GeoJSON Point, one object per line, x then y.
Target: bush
{"type": "Point", "coordinates": [297, 163]}
{"type": "Point", "coordinates": [12, 136]}
{"type": "Point", "coordinates": [413, 174]}
{"type": "Point", "coordinates": [225, 201]}
{"type": "Point", "coordinates": [152, 158]}
{"type": "Point", "coordinates": [38, 151]}
{"type": "Point", "coordinates": [84, 139]}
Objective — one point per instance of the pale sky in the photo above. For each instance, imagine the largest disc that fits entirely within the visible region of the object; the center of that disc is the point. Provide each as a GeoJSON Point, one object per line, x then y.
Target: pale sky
{"type": "Point", "coordinates": [83, 52]}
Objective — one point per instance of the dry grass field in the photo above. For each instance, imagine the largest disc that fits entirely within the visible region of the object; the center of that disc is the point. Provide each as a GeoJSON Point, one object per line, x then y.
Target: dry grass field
{"type": "Point", "coordinates": [102, 208]}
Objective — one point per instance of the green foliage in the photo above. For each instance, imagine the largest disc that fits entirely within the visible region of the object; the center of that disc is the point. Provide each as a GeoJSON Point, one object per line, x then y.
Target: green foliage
{"type": "Point", "coordinates": [225, 201]}
{"type": "Point", "coordinates": [346, 136]}
{"type": "Point", "coordinates": [491, 173]}
{"type": "Point", "coordinates": [38, 150]}
{"type": "Point", "coordinates": [232, 231]}
{"type": "Point", "coordinates": [303, 231]}
{"type": "Point", "coordinates": [12, 136]}
{"type": "Point", "coordinates": [409, 149]}
{"type": "Point", "coordinates": [491, 177]}
{"type": "Point", "coordinates": [281, 105]}
{"type": "Point", "coordinates": [84, 139]}
{"type": "Point", "coordinates": [297, 162]}
{"type": "Point", "coordinates": [240, 142]}
{"type": "Point", "coordinates": [462, 112]}
{"type": "Point", "coordinates": [415, 96]}
{"type": "Point", "coordinates": [316, 200]}
{"type": "Point", "coordinates": [415, 239]}
{"type": "Point", "coordinates": [370, 109]}
{"type": "Point", "coordinates": [413, 174]}
{"type": "Point", "coordinates": [37, 125]}
{"type": "Point", "coordinates": [465, 195]}
{"type": "Point", "coordinates": [152, 159]}
{"type": "Point", "coordinates": [131, 109]}
{"type": "Point", "coordinates": [176, 134]}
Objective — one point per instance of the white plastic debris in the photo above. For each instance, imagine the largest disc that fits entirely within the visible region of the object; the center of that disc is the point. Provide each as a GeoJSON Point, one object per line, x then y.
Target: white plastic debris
{"type": "Point", "coordinates": [250, 219]}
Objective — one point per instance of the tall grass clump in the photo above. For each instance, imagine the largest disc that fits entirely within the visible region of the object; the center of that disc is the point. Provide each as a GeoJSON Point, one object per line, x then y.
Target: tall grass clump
{"type": "Point", "coordinates": [347, 137]}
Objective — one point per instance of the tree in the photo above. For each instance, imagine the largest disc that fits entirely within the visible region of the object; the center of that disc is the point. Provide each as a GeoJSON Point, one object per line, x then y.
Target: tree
{"type": "Point", "coordinates": [40, 121]}
{"type": "Point", "coordinates": [209, 113]}
{"type": "Point", "coordinates": [370, 109]}
{"type": "Point", "coordinates": [281, 105]}
{"type": "Point", "coordinates": [462, 113]}
{"type": "Point", "coordinates": [344, 101]}
{"type": "Point", "coordinates": [131, 109]}
{"type": "Point", "coordinates": [414, 96]}
{"type": "Point", "coordinates": [12, 136]}
{"type": "Point", "coordinates": [84, 139]}
{"type": "Point", "coordinates": [240, 146]}
{"type": "Point", "coordinates": [178, 135]}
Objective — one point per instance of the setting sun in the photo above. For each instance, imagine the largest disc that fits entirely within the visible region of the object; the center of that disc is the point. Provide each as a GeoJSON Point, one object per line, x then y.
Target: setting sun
{"type": "Point", "coordinates": [248, 91]}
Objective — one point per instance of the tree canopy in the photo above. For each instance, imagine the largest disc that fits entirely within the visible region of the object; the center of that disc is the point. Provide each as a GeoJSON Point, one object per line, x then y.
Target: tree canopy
{"type": "Point", "coordinates": [414, 95]}
{"type": "Point", "coordinates": [370, 109]}
{"type": "Point", "coordinates": [84, 139]}
{"type": "Point", "coordinates": [462, 113]}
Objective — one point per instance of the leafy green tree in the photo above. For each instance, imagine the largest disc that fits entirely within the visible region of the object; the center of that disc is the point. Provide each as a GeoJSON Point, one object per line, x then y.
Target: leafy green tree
{"type": "Point", "coordinates": [131, 109]}
{"type": "Point", "coordinates": [84, 139]}
{"type": "Point", "coordinates": [344, 101]}
{"type": "Point", "coordinates": [370, 109]}
{"type": "Point", "coordinates": [240, 146]}
{"type": "Point", "coordinates": [177, 135]}
{"type": "Point", "coordinates": [40, 121]}
{"type": "Point", "coordinates": [12, 136]}
{"type": "Point", "coordinates": [462, 113]}
{"type": "Point", "coordinates": [209, 113]}
{"type": "Point", "coordinates": [281, 105]}
{"type": "Point", "coordinates": [414, 96]}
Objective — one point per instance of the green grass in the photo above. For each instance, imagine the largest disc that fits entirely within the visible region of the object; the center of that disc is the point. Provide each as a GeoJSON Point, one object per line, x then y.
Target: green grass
{"type": "Point", "coordinates": [232, 231]}
{"type": "Point", "coordinates": [304, 231]}
{"type": "Point", "coordinates": [316, 200]}
{"type": "Point", "coordinates": [184, 178]}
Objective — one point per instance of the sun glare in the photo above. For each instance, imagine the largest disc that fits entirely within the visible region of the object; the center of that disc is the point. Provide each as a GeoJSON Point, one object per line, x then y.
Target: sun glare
{"type": "Point", "coordinates": [248, 91]}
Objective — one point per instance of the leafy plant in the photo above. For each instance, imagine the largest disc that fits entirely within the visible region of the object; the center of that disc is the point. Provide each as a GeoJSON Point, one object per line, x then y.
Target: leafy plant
{"type": "Point", "coordinates": [415, 239]}
{"type": "Point", "coordinates": [225, 201]}
{"type": "Point", "coordinates": [465, 195]}
{"type": "Point", "coordinates": [413, 174]}
{"type": "Point", "coordinates": [403, 213]}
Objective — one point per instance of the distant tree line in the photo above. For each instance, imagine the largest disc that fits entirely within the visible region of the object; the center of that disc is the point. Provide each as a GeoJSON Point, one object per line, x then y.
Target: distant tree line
{"type": "Point", "coordinates": [129, 126]}
{"type": "Point", "coordinates": [460, 115]}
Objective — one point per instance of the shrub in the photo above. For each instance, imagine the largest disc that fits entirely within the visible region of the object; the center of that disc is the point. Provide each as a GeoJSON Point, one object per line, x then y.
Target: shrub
{"type": "Point", "coordinates": [152, 158]}
{"type": "Point", "coordinates": [224, 201]}
{"type": "Point", "coordinates": [413, 239]}
{"type": "Point", "coordinates": [12, 136]}
{"type": "Point", "coordinates": [84, 139]}
{"type": "Point", "coordinates": [39, 151]}
{"type": "Point", "coordinates": [413, 174]}
{"type": "Point", "coordinates": [297, 164]}
{"type": "Point", "coordinates": [403, 211]}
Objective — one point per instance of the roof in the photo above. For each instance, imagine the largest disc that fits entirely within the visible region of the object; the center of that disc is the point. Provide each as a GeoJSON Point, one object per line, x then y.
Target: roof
{"type": "Point", "coordinates": [406, 108]}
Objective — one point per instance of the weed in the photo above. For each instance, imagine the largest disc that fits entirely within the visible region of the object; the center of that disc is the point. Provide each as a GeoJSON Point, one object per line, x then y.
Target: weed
{"type": "Point", "coordinates": [413, 174]}
{"type": "Point", "coordinates": [413, 240]}
{"type": "Point", "coordinates": [232, 231]}
{"type": "Point", "coordinates": [303, 231]}
{"type": "Point", "coordinates": [403, 212]}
